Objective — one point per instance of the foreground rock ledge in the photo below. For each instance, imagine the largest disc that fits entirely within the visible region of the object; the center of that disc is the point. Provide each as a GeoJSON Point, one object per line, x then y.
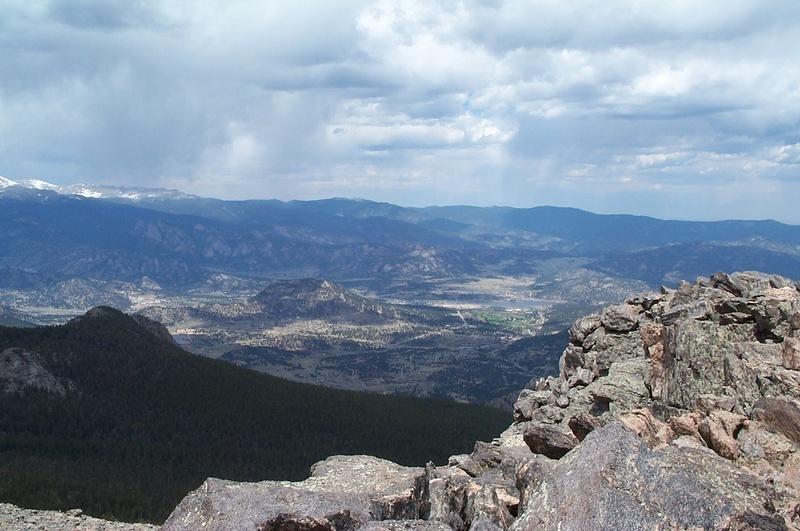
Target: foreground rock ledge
{"type": "Point", "coordinates": [19, 519]}
{"type": "Point", "coordinates": [343, 492]}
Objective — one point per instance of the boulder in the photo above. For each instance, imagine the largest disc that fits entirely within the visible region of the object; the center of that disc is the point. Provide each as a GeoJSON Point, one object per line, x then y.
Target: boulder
{"type": "Point", "coordinates": [703, 358]}
{"type": "Point", "coordinates": [625, 387]}
{"type": "Point", "coordinates": [583, 327]}
{"type": "Point", "coordinates": [794, 324]}
{"type": "Point", "coordinates": [649, 429]}
{"type": "Point", "coordinates": [582, 424]}
{"type": "Point", "coordinates": [461, 501]}
{"type": "Point", "coordinates": [581, 377]}
{"type": "Point", "coordinates": [619, 483]}
{"type": "Point", "coordinates": [528, 402]}
{"type": "Point", "coordinates": [750, 283]}
{"type": "Point", "coordinates": [449, 493]}
{"type": "Point", "coordinates": [485, 506]}
{"type": "Point", "coordinates": [550, 440]}
{"type": "Point", "coordinates": [687, 425]}
{"type": "Point", "coordinates": [790, 353]}
{"type": "Point", "coordinates": [699, 310]}
{"type": "Point", "coordinates": [530, 475]}
{"type": "Point", "coordinates": [780, 414]}
{"type": "Point", "coordinates": [719, 437]}
{"type": "Point", "coordinates": [499, 459]}
{"type": "Point", "coordinates": [343, 492]}
{"type": "Point", "coordinates": [620, 318]}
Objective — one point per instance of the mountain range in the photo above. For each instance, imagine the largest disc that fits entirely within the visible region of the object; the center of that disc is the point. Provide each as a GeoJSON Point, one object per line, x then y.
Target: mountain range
{"type": "Point", "coordinates": [50, 233]}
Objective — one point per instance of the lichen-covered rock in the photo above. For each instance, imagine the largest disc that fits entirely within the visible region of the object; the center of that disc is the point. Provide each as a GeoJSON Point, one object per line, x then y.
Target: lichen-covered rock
{"type": "Point", "coordinates": [583, 327]}
{"type": "Point", "coordinates": [486, 506]}
{"type": "Point", "coordinates": [710, 366]}
{"type": "Point", "coordinates": [528, 402]}
{"type": "Point", "coordinates": [625, 387]}
{"type": "Point", "coordinates": [450, 489]}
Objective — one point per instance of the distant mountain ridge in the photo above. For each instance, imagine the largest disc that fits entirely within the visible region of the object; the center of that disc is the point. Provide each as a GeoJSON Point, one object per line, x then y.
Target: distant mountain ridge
{"type": "Point", "coordinates": [178, 239]}
{"type": "Point", "coordinates": [95, 191]}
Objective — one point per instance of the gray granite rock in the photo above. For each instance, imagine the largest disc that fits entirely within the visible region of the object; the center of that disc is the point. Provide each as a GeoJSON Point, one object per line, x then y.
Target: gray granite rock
{"type": "Point", "coordinates": [343, 492]}
{"type": "Point", "coordinates": [613, 481]}
{"type": "Point", "coordinates": [13, 518]}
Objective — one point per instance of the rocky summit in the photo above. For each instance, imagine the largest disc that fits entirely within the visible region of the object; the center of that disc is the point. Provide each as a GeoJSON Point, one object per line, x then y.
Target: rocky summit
{"type": "Point", "coordinates": [675, 410]}
{"type": "Point", "coordinates": [313, 298]}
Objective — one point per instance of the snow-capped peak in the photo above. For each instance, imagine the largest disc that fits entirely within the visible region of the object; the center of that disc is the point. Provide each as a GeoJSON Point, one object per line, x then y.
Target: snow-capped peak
{"type": "Point", "coordinates": [97, 191]}
{"type": "Point", "coordinates": [6, 183]}
{"type": "Point", "coordinates": [84, 190]}
{"type": "Point", "coordinates": [40, 185]}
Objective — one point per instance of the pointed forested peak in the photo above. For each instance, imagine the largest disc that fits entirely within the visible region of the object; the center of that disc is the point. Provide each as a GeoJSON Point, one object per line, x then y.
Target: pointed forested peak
{"type": "Point", "coordinates": [99, 313]}
{"type": "Point", "coordinates": [109, 318]}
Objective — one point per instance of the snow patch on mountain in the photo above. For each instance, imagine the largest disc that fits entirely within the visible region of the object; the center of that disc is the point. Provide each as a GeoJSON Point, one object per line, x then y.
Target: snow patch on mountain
{"type": "Point", "coordinates": [6, 183]}
{"type": "Point", "coordinates": [97, 191]}
{"type": "Point", "coordinates": [40, 185]}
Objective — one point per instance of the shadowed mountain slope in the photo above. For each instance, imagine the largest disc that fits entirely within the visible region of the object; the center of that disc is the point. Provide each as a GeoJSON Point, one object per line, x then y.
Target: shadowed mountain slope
{"type": "Point", "coordinates": [110, 416]}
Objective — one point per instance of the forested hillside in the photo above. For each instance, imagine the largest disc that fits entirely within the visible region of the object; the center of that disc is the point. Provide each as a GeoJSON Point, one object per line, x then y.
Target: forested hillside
{"type": "Point", "coordinates": [126, 423]}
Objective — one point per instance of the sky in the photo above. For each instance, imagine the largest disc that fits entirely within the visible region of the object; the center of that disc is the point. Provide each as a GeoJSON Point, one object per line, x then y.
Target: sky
{"type": "Point", "coordinates": [679, 109]}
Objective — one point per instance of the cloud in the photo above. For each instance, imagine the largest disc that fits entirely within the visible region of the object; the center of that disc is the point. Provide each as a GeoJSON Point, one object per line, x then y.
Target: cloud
{"type": "Point", "coordinates": [100, 15]}
{"type": "Point", "coordinates": [643, 106]}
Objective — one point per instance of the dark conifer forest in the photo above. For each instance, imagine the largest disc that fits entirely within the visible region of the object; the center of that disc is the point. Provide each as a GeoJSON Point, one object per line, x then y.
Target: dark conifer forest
{"type": "Point", "coordinates": [142, 422]}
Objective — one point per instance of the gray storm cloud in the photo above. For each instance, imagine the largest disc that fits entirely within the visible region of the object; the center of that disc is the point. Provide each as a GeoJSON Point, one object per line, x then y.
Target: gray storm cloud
{"type": "Point", "coordinates": [675, 109]}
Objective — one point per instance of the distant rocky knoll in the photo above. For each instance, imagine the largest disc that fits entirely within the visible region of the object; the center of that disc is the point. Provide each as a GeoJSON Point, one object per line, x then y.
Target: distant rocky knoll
{"type": "Point", "coordinates": [313, 298]}
{"type": "Point", "coordinates": [675, 410]}
{"type": "Point", "coordinates": [286, 300]}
